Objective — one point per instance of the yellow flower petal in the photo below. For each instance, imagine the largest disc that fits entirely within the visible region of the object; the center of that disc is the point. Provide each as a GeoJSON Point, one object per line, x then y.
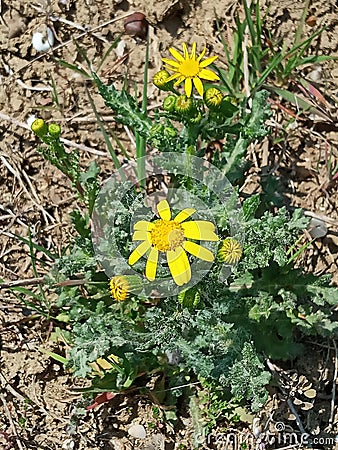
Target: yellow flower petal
{"type": "Point", "coordinates": [173, 76]}
{"type": "Point", "coordinates": [202, 54]}
{"type": "Point", "coordinates": [143, 225]}
{"type": "Point", "coordinates": [207, 74]}
{"type": "Point", "coordinates": [198, 251]}
{"type": "Point", "coordinates": [139, 251]}
{"type": "Point", "coordinates": [171, 62]}
{"type": "Point", "coordinates": [185, 52]}
{"type": "Point", "coordinates": [208, 61]}
{"type": "Point", "coordinates": [140, 235]}
{"type": "Point", "coordinates": [188, 86]}
{"type": "Point", "coordinates": [201, 230]}
{"type": "Point", "coordinates": [176, 54]}
{"type": "Point", "coordinates": [179, 80]}
{"type": "Point", "coordinates": [163, 209]}
{"type": "Point", "coordinates": [199, 86]}
{"type": "Point", "coordinates": [193, 51]}
{"type": "Point", "coordinates": [184, 214]}
{"type": "Point", "coordinates": [179, 266]}
{"type": "Point", "coordinates": [151, 265]}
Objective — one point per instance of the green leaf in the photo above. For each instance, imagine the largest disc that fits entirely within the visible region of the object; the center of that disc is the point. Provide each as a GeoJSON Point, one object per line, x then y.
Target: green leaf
{"type": "Point", "coordinates": [250, 206]}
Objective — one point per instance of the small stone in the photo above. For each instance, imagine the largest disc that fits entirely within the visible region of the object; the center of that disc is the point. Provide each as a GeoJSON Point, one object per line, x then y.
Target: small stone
{"type": "Point", "coordinates": [317, 228]}
{"type": "Point", "coordinates": [68, 444]}
{"type": "Point", "coordinates": [137, 431]}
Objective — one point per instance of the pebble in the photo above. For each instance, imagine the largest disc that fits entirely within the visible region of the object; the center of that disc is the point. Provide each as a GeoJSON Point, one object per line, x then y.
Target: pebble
{"type": "Point", "coordinates": [317, 228]}
{"type": "Point", "coordinates": [137, 431]}
{"type": "Point", "coordinates": [68, 444]}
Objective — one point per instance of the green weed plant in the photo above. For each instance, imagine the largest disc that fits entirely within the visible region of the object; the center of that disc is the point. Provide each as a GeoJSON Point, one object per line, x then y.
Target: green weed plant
{"type": "Point", "coordinates": [217, 334]}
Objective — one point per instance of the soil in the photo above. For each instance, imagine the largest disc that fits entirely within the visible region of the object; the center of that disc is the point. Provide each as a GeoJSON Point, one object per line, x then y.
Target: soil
{"type": "Point", "coordinates": [39, 407]}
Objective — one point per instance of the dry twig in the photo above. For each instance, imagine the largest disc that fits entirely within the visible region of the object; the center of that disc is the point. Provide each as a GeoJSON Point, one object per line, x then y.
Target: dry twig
{"type": "Point", "coordinates": [11, 422]}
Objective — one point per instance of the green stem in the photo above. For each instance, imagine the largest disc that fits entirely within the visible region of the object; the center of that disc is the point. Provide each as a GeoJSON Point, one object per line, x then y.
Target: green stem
{"type": "Point", "coordinates": [140, 140]}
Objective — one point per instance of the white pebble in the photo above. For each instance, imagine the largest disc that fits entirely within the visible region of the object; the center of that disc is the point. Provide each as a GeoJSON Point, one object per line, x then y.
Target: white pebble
{"type": "Point", "coordinates": [137, 431]}
{"type": "Point", "coordinates": [30, 119]}
{"type": "Point", "coordinates": [42, 42]}
{"type": "Point", "coordinates": [120, 48]}
{"type": "Point", "coordinates": [69, 444]}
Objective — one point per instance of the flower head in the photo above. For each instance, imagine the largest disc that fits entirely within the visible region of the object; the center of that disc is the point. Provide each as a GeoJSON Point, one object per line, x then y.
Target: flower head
{"type": "Point", "coordinates": [190, 69]}
{"type": "Point", "coordinates": [230, 251]}
{"type": "Point", "coordinates": [213, 98]}
{"type": "Point", "coordinates": [119, 287]}
{"type": "Point", "coordinates": [170, 236]}
{"type": "Point", "coordinates": [54, 130]}
{"type": "Point", "coordinates": [39, 127]}
{"type": "Point", "coordinates": [184, 105]}
{"type": "Point", "coordinates": [160, 80]}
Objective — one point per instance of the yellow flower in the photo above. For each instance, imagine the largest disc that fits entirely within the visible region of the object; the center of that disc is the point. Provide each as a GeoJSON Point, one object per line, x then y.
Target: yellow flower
{"type": "Point", "coordinates": [170, 237]}
{"type": "Point", "coordinates": [190, 69]}
{"type": "Point", "coordinates": [119, 287]}
{"type": "Point", "coordinates": [230, 251]}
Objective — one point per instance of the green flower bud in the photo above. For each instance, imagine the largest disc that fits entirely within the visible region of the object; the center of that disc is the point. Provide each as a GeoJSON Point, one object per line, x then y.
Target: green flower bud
{"type": "Point", "coordinates": [232, 100]}
{"type": "Point", "coordinates": [160, 80]}
{"type": "Point", "coordinates": [189, 298]}
{"type": "Point", "coordinates": [184, 105]}
{"type": "Point", "coordinates": [230, 251]}
{"type": "Point", "coordinates": [39, 127]}
{"type": "Point", "coordinates": [213, 98]}
{"type": "Point", "coordinates": [156, 130]}
{"type": "Point", "coordinates": [169, 132]}
{"type": "Point", "coordinates": [197, 118]}
{"type": "Point", "coordinates": [169, 103]}
{"type": "Point", "coordinates": [54, 130]}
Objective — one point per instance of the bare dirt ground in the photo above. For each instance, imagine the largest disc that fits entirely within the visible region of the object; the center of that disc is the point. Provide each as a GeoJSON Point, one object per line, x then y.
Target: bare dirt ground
{"type": "Point", "coordinates": [39, 408]}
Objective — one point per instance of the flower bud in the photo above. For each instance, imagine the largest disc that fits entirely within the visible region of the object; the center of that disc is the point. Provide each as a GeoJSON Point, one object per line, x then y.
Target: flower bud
{"type": "Point", "coordinates": [184, 105]}
{"type": "Point", "coordinates": [160, 80]}
{"type": "Point", "coordinates": [230, 251]}
{"type": "Point", "coordinates": [54, 130]}
{"type": "Point", "coordinates": [39, 127]}
{"type": "Point", "coordinates": [196, 118]}
{"type": "Point", "coordinates": [121, 286]}
{"type": "Point", "coordinates": [169, 103]}
{"type": "Point", "coordinates": [156, 129]}
{"type": "Point", "coordinates": [213, 98]}
{"type": "Point", "coordinates": [169, 132]}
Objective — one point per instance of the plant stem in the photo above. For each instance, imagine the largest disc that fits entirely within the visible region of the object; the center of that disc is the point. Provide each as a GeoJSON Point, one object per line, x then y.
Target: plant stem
{"type": "Point", "coordinates": [140, 140]}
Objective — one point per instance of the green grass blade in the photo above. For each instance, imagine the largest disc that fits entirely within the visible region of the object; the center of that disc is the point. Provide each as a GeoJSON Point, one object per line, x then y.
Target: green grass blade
{"type": "Point", "coordinates": [103, 131]}
{"type": "Point", "coordinates": [55, 356]}
{"type": "Point", "coordinates": [73, 68]}
{"type": "Point", "coordinates": [36, 246]}
{"type": "Point", "coordinates": [28, 304]}
{"type": "Point", "coordinates": [300, 27]}
{"type": "Point", "coordinates": [26, 292]}
{"type": "Point", "coordinates": [83, 54]}
{"type": "Point", "coordinates": [55, 93]}
{"type": "Point", "coordinates": [249, 22]}
{"type": "Point", "coordinates": [110, 49]}
{"type": "Point", "coordinates": [140, 140]}
{"type": "Point", "coordinates": [299, 102]}
{"type": "Point", "coordinates": [119, 144]}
